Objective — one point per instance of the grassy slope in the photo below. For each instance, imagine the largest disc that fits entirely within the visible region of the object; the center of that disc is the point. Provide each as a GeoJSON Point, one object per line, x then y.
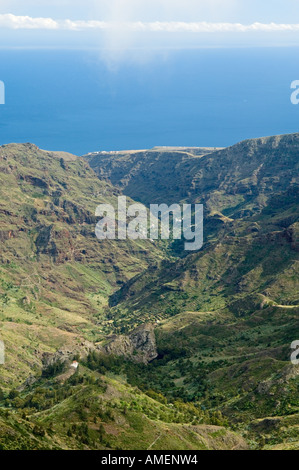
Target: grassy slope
{"type": "Point", "coordinates": [55, 277]}
{"type": "Point", "coordinates": [231, 180]}
{"type": "Point", "coordinates": [232, 310]}
{"type": "Point", "coordinates": [105, 413]}
{"type": "Point", "coordinates": [228, 314]}
{"type": "Point", "coordinates": [153, 176]}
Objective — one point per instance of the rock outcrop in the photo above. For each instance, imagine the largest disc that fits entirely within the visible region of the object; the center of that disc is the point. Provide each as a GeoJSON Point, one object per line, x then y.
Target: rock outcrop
{"type": "Point", "coordinates": [139, 346]}
{"type": "Point", "coordinates": [66, 355]}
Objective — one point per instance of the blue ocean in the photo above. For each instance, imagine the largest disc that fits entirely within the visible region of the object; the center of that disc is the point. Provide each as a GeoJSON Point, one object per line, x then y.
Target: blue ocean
{"type": "Point", "coordinates": [75, 101]}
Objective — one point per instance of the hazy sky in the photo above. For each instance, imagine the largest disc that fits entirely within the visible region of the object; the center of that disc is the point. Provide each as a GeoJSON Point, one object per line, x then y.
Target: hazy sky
{"type": "Point", "coordinates": [282, 11]}
{"type": "Point", "coordinates": [231, 92]}
{"type": "Point", "coordinates": [149, 23]}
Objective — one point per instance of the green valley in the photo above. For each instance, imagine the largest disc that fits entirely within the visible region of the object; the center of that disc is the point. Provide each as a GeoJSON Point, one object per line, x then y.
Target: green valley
{"type": "Point", "coordinates": [172, 350]}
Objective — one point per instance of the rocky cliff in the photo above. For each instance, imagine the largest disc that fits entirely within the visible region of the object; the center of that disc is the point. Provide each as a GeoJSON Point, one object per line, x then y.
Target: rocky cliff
{"type": "Point", "coordinates": [139, 346]}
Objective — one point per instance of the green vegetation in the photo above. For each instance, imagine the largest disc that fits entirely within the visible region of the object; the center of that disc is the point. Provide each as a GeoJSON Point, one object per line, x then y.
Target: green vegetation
{"type": "Point", "coordinates": [224, 317]}
{"type": "Point", "coordinates": [91, 411]}
{"type": "Point", "coordinates": [55, 277]}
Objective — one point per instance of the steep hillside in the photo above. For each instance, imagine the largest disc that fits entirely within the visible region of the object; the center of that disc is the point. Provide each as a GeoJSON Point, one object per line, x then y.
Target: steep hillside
{"type": "Point", "coordinates": [235, 181]}
{"type": "Point", "coordinates": [250, 194]}
{"type": "Point", "coordinates": [189, 351]}
{"type": "Point", "coordinates": [55, 276]}
{"type": "Point", "coordinates": [227, 315]}
{"type": "Point", "coordinates": [92, 411]}
{"type": "Point", "coordinates": [153, 176]}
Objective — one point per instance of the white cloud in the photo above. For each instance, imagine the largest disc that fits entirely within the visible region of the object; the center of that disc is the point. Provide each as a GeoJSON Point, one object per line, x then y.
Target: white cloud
{"type": "Point", "coordinates": [205, 27]}
{"type": "Point", "coordinates": [26, 22]}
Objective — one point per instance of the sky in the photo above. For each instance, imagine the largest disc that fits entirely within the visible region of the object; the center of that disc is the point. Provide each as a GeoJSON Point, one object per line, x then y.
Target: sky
{"type": "Point", "coordinates": [267, 11]}
{"type": "Point", "coordinates": [143, 62]}
{"type": "Point", "coordinates": [123, 24]}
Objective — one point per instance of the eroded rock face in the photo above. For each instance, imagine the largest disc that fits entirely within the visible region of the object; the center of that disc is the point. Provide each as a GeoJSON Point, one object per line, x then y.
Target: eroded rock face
{"type": "Point", "coordinates": [118, 346]}
{"type": "Point", "coordinates": [288, 373]}
{"type": "Point", "coordinates": [139, 346]}
{"type": "Point", "coordinates": [144, 341]}
{"type": "Point", "coordinates": [66, 355]}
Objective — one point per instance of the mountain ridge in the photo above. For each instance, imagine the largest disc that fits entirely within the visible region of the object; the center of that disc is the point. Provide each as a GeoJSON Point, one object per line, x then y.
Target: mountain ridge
{"type": "Point", "coordinates": [224, 317]}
